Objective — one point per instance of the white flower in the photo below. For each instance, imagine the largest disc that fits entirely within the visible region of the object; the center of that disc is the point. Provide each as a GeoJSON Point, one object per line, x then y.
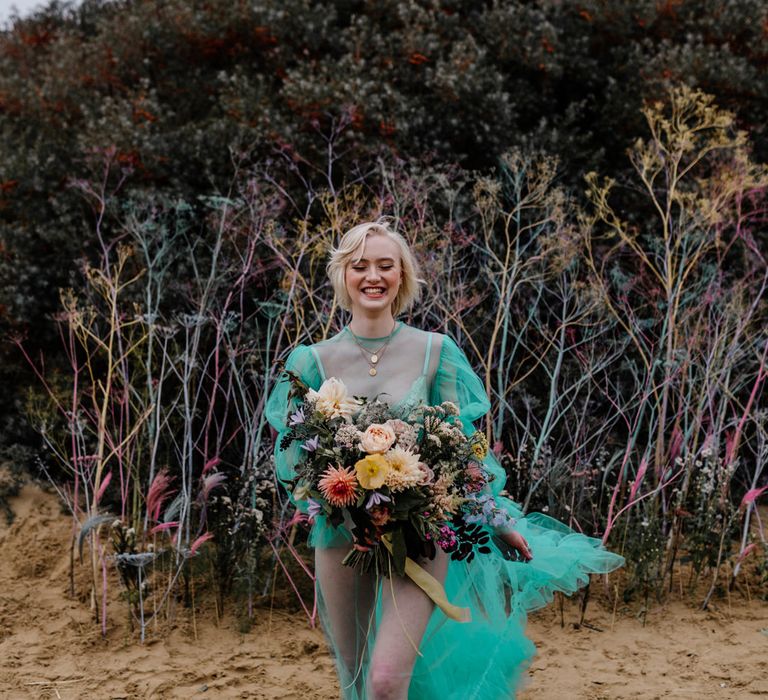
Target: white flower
{"type": "Point", "coordinates": [404, 469]}
{"type": "Point", "coordinates": [347, 436]}
{"type": "Point", "coordinates": [333, 400]}
{"type": "Point", "coordinates": [450, 408]}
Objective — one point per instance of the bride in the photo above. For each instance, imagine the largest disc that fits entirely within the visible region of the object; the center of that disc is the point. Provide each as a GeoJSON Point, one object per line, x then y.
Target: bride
{"type": "Point", "coordinates": [386, 636]}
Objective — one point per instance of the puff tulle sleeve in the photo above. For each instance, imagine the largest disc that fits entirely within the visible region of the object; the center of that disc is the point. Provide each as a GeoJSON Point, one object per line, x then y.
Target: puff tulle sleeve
{"type": "Point", "coordinates": [456, 381]}
{"type": "Point", "coordinates": [278, 409]}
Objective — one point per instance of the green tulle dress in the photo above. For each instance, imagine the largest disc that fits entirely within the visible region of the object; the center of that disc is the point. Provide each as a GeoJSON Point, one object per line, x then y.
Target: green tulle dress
{"type": "Point", "coordinates": [487, 657]}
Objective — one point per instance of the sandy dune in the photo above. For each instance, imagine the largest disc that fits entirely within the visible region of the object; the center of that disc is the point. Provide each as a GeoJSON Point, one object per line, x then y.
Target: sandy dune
{"type": "Point", "coordinates": [51, 648]}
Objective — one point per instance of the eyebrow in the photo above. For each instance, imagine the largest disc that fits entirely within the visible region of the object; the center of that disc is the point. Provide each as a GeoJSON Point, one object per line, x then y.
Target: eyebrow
{"type": "Point", "coordinates": [378, 260]}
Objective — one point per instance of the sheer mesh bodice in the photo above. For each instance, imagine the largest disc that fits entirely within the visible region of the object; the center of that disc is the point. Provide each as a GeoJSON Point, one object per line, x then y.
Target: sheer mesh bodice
{"type": "Point", "coordinates": [404, 370]}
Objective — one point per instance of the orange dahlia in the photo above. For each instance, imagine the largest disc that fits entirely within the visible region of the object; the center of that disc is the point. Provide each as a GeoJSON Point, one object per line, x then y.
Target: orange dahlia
{"type": "Point", "coordinates": [338, 486]}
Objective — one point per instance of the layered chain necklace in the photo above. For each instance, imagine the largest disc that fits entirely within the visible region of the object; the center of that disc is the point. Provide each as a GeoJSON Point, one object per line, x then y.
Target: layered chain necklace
{"type": "Point", "coordinates": [376, 355]}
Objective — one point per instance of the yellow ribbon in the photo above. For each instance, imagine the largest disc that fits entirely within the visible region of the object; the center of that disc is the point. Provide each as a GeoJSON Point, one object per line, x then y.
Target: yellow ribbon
{"type": "Point", "coordinates": [431, 586]}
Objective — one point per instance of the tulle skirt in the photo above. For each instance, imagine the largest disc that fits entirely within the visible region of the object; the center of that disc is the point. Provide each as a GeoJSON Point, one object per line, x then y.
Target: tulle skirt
{"type": "Point", "coordinates": [487, 657]}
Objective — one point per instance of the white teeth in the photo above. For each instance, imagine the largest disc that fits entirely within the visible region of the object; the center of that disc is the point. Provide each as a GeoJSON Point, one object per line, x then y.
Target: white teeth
{"type": "Point", "coordinates": [373, 290]}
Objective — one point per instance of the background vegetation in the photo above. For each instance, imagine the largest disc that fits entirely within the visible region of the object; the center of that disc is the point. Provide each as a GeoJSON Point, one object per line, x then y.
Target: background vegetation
{"type": "Point", "coordinates": [174, 172]}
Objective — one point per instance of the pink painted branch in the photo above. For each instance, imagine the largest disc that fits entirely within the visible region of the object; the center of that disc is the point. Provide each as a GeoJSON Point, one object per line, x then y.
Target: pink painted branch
{"type": "Point", "coordinates": [311, 615]}
{"type": "Point", "coordinates": [286, 540]}
{"type": "Point", "coordinates": [18, 343]}
{"type": "Point", "coordinates": [661, 486]}
{"type": "Point", "coordinates": [620, 481]}
{"type": "Point", "coordinates": [639, 477]}
{"type": "Point", "coordinates": [732, 445]}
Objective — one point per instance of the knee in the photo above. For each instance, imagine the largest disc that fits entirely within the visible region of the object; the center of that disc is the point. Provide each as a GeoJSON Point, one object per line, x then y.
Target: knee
{"type": "Point", "coordinates": [387, 682]}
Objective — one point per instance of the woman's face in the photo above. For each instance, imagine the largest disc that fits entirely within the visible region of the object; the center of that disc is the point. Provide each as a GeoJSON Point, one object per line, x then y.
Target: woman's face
{"type": "Point", "coordinates": [374, 280]}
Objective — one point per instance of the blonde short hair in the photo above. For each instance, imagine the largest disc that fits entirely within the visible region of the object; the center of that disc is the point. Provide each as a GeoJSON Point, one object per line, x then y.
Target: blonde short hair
{"type": "Point", "coordinates": [351, 248]}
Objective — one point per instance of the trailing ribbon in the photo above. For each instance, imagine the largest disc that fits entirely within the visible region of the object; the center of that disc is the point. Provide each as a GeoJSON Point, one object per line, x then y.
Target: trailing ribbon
{"type": "Point", "coordinates": [431, 586]}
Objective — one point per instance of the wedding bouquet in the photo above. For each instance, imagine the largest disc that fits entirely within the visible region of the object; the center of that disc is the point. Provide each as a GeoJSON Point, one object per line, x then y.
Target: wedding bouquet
{"type": "Point", "coordinates": [403, 487]}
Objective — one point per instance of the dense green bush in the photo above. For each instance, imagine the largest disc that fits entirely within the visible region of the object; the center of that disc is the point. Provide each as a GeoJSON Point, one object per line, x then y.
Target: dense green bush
{"type": "Point", "coordinates": [179, 92]}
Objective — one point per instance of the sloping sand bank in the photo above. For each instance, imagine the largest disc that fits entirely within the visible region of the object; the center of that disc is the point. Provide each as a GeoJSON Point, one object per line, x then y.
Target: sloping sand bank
{"type": "Point", "coordinates": [51, 648]}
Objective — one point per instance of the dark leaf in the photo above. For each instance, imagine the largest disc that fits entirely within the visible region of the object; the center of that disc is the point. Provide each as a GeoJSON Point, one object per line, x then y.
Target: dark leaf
{"type": "Point", "coordinates": [398, 551]}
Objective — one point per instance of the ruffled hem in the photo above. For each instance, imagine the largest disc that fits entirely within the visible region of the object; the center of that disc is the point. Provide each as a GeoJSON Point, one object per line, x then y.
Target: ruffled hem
{"type": "Point", "coordinates": [487, 657]}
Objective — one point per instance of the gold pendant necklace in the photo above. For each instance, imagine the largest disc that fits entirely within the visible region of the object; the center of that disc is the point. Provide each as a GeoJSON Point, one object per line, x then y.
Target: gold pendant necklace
{"type": "Point", "coordinates": [377, 354]}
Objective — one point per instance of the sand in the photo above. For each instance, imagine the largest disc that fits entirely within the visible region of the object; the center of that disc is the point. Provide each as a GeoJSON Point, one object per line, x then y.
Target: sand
{"type": "Point", "coordinates": [51, 647]}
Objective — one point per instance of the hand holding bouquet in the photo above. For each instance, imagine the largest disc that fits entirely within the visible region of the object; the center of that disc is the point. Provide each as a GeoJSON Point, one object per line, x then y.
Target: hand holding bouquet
{"type": "Point", "coordinates": [404, 487]}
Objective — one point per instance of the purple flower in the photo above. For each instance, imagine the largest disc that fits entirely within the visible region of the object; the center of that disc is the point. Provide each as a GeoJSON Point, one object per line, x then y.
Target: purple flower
{"type": "Point", "coordinates": [376, 499]}
{"type": "Point", "coordinates": [480, 498]}
{"type": "Point", "coordinates": [312, 444]}
{"type": "Point", "coordinates": [314, 508]}
{"type": "Point", "coordinates": [296, 418]}
{"type": "Point", "coordinates": [500, 519]}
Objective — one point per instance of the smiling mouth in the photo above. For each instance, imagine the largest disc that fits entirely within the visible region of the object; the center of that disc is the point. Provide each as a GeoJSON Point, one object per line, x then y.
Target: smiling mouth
{"type": "Point", "coordinates": [374, 291]}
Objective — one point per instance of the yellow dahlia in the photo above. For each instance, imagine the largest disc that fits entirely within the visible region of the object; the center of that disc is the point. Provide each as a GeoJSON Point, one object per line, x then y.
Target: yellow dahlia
{"type": "Point", "coordinates": [372, 471]}
{"type": "Point", "coordinates": [338, 486]}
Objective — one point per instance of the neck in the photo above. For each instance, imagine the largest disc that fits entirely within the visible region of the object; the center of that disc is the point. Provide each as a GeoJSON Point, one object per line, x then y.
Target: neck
{"type": "Point", "coordinates": [376, 327]}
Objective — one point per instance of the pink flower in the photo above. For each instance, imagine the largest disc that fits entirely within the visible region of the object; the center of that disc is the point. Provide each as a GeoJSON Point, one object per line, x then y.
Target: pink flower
{"type": "Point", "coordinates": [405, 434]}
{"type": "Point", "coordinates": [475, 478]}
{"type": "Point", "coordinates": [338, 486]}
{"type": "Point", "coordinates": [428, 476]}
{"type": "Point", "coordinates": [377, 438]}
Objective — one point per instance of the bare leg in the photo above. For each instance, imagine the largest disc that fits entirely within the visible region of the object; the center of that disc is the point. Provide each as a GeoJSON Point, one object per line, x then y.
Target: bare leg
{"type": "Point", "coordinates": [406, 610]}
{"type": "Point", "coordinates": [348, 597]}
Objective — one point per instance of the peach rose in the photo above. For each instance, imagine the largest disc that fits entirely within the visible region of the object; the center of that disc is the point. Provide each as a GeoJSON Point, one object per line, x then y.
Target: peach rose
{"type": "Point", "coordinates": [377, 438]}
